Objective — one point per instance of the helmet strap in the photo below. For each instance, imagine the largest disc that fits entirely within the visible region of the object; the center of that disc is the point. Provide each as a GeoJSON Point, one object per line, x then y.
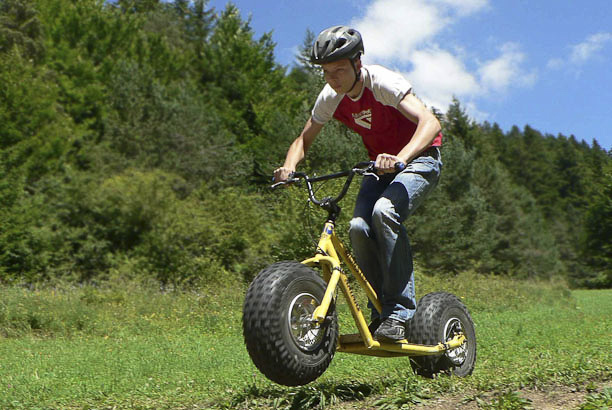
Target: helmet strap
{"type": "Point", "coordinates": [357, 75]}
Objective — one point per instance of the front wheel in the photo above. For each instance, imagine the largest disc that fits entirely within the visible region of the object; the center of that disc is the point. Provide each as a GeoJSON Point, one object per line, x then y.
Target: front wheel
{"type": "Point", "coordinates": [438, 317]}
{"type": "Point", "coordinates": [282, 340]}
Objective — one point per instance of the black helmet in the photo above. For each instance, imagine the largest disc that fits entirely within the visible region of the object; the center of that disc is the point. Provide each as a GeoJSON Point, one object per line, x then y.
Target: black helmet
{"type": "Point", "coordinates": [336, 43]}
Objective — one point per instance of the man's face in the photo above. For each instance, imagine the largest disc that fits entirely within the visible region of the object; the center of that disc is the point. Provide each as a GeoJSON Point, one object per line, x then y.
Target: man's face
{"type": "Point", "coordinates": [340, 75]}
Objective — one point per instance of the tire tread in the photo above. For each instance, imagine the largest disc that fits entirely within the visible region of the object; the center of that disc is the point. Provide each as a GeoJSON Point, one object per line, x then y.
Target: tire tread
{"type": "Point", "coordinates": [262, 327]}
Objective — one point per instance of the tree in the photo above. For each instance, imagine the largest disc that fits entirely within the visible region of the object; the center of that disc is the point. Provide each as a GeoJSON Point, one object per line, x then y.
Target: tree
{"type": "Point", "coordinates": [598, 230]}
{"type": "Point", "coordinates": [139, 136]}
{"type": "Point", "coordinates": [20, 27]}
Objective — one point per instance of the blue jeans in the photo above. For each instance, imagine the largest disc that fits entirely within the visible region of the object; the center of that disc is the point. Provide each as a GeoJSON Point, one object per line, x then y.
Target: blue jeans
{"type": "Point", "coordinates": [380, 242]}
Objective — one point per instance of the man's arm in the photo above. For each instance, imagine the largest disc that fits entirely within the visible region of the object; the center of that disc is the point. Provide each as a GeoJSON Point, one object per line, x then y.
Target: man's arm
{"type": "Point", "coordinates": [297, 150]}
{"type": "Point", "coordinates": [427, 129]}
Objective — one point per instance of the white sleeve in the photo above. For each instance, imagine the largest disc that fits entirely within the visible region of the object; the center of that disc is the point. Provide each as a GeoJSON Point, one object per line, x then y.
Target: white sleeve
{"type": "Point", "coordinates": [389, 87]}
{"type": "Point", "coordinates": [326, 105]}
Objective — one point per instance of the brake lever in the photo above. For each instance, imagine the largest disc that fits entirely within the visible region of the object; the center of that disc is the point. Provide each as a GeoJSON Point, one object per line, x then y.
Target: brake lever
{"type": "Point", "coordinates": [372, 174]}
{"type": "Point", "coordinates": [287, 182]}
{"type": "Point", "coordinates": [276, 185]}
{"type": "Point", "coordinates": [371, 171]}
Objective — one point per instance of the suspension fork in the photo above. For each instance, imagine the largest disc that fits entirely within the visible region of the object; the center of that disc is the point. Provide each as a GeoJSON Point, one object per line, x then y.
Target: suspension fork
{"type": "Point", "coordinates": [329, 252]}
{"type": "Point", "coordinates": [329, 261]}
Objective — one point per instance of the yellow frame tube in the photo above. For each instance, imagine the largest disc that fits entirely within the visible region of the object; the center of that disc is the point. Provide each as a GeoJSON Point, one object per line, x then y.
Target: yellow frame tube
{"type": "Point", "coordinates": [354, 268]}
{"type": "Point", "coordinates": [360, 321]}
{"type": "Point", "coordinates": [399, 349]}
{"type": "Point", "coordinates": [327, 257]}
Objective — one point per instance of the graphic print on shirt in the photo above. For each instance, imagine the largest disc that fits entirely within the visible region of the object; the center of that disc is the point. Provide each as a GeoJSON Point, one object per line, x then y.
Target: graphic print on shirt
{"type": "Point", "coordinates": [364, 118]}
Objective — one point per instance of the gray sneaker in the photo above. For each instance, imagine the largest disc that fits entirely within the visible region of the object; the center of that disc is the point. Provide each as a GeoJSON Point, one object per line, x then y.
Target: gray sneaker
{"type": "Point", "coordinates": [390, 330]}
{"type": "Point", "coordinates": [374, 324]}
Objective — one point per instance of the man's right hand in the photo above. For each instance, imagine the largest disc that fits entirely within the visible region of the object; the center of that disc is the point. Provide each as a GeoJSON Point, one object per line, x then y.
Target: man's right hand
{"type": "Point", "coordinates": [282, 174]}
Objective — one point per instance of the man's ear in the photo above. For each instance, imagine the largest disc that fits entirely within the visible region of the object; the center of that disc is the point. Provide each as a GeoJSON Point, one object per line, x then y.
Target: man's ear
{"type": "Point", "coordinates": [358, 63]}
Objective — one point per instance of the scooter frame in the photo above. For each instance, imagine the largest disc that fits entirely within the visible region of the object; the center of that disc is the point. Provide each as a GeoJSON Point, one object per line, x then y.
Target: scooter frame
{"type": "Point", "coordinates": [329, 257]}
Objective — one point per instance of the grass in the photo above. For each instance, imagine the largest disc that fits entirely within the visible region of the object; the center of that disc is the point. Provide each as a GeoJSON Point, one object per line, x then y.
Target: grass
{"type": "Point", "coordinates": [132, 346]}
{"type": "Point", "coordinates": [598, 401]}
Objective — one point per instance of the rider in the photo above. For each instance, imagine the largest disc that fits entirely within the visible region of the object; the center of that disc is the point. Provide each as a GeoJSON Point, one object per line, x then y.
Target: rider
{"type": "Point", "coordinates": [395, 127]}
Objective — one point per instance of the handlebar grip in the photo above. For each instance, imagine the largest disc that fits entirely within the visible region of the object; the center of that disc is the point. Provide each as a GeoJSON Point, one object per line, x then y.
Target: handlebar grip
{"type": "Point", "coordinates": [400, 166]}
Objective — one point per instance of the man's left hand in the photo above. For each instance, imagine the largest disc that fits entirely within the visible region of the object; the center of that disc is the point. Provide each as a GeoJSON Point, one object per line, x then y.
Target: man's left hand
{"type": "Point", "coordinates": [385, 163]}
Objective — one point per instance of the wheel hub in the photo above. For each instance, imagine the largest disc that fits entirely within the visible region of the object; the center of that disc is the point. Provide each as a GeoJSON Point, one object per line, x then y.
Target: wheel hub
{"type": "Point", "coordinates": [306, 333]}
{"type": "Point", "coordinates": [458, 355]}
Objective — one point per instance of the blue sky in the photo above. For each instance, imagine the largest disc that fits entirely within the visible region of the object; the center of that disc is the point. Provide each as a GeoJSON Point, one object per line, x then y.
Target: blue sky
{"type": "Point", "coordinates": [545, 63]}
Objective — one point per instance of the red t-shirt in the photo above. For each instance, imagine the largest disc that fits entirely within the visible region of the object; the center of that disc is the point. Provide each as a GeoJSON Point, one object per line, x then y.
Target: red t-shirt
{"type": "Point", "coordinates": [374, 114]}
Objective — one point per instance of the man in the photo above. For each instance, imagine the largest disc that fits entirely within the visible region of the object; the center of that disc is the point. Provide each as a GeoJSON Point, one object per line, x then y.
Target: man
{"type": "Point", "coordinates": [395, 127]}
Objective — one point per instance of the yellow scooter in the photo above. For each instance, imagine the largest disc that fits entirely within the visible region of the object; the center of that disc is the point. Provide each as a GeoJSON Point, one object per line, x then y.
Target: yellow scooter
{"type": "Point", "coordinates": [290, 322]}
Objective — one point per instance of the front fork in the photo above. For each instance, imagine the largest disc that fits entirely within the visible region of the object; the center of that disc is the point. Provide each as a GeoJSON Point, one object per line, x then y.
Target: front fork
{"type": "Point", "coordinates": [327, 257]}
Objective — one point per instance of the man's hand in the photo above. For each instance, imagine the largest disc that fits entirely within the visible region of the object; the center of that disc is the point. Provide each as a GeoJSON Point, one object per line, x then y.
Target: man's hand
{"type": "Point", "coordinates": [385, 163]}
{"type": "Point", "coordinates": [282, 174]}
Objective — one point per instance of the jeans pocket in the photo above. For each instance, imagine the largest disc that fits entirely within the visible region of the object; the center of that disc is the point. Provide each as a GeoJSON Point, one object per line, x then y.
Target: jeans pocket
{"type": "Point", "coordinates": [423, 165]}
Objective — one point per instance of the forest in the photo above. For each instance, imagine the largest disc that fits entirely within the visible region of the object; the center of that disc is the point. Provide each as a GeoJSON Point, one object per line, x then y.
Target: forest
{"type": "Point", "coordinates": [138, 139]}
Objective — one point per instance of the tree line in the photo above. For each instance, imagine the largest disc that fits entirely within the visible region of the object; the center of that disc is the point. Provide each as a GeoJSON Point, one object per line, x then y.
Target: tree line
{"type": "Point", "coordinates": [138, 137]}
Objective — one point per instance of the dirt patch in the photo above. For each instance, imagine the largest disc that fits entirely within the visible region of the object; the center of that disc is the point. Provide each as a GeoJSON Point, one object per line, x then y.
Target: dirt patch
{"type": "Point", "coordinates": [559, 398]}
{"type": "Point", "coordinates": [549, 398]}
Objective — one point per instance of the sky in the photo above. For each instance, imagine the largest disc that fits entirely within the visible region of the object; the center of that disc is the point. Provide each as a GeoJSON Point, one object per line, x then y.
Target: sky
{"type": "Point", "coordinates": [542, 63]}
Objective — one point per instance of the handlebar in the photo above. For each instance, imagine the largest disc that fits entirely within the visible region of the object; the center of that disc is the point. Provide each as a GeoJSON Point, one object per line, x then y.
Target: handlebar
{"type": "Point", "coordinates": [361, 168]}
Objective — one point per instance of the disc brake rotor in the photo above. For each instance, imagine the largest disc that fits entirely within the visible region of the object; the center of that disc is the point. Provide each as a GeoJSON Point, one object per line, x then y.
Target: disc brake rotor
{"type": "Point", "coordinates": [307, 334]}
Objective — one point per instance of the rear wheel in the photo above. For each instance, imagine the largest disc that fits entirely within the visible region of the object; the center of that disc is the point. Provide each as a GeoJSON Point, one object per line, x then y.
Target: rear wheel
{"type": "Point", "coordinates": [282, 340]}
{"type": "Point", "coordinates": [438, 317]}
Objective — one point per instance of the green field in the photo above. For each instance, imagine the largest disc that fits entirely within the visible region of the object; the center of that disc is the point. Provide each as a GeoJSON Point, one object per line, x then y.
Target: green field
{"type": "Point", "coordinates": [132, 346]}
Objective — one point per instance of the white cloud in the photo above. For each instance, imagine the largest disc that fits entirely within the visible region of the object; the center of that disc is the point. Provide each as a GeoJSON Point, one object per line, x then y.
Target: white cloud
{"type": "Point", "coordinates": [582, 52]}
{"type": "Point", "coordinates": [506, 70]}
{"type": "Point", "coordinates": [464, 7]}
{"type": "Point", "coordinates": [393, 28]}
{"type": "Point", "coordinates": [402, 34]}
{"type": "Point", "coordinates": [586, 50]}
{"type": "Point", "coordinates": [555, 63]}
{"type": "Point", "coordinates": [439, 75]}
